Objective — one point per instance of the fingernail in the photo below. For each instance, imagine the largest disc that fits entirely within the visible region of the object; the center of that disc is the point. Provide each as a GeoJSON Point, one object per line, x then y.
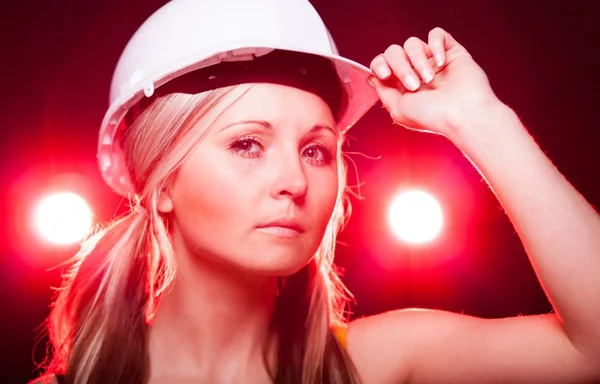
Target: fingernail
{"type": "Point", "coordinates": [427, 75]}
{"type": "Point", "coordinates": [383, 72]}
{"type": "Point", "coordinates": [439, 59]}
{"type": "Point", "coordinates": [411, 82]}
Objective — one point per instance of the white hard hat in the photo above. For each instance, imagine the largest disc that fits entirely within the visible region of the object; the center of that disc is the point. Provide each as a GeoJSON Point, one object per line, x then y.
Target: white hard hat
{"type": "Point", "coordinates": [186, 35]}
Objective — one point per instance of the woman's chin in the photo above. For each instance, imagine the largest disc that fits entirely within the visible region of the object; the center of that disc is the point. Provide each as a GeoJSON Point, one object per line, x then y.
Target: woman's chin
{"type": "Point", "coordinates": [280, 267]}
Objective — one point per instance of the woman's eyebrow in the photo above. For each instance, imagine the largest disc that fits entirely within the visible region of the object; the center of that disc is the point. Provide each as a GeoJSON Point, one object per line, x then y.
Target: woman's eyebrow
{"type": "Point", "coordinates": [264, 123]}
{"type": "Point", "coordinates": [320, 127]}
{"type": "Point", "coordinates": [267, 125]}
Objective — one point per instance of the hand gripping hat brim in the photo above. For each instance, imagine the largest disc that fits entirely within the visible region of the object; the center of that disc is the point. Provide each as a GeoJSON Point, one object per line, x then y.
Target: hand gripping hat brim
{"type": "Point", "coordinates": [187, 35]}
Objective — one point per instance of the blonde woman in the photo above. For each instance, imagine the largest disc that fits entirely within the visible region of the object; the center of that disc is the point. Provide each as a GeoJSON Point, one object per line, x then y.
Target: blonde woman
{"type": "Point", "coordinates": [223, 271]}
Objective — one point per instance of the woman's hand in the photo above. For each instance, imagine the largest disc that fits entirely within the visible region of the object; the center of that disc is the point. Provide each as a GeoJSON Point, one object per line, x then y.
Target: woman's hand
{"type": "Point", "coordinates": [431, 86]}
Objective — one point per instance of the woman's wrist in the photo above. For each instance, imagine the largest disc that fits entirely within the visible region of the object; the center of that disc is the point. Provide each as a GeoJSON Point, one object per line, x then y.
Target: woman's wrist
{"type": "Point", "coordinates": [485, 125]}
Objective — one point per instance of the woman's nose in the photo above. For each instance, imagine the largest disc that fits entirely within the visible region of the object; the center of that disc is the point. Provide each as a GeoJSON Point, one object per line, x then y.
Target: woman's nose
{"type": "Point", "coordinates": [290, 178]}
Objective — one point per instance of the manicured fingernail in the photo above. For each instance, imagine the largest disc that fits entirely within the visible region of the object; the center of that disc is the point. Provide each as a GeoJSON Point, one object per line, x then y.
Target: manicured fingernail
{"type": "Point", "coordinates": [439, 59]}
{"type": "Point", "coordinates": [411, 82]}
{"type": "Point", "coordinates": [383, 72]}
{"type": "Point", "coordinates": [427, 75]}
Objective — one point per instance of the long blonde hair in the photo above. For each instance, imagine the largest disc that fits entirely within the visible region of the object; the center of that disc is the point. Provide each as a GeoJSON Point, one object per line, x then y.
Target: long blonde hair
{"type": "Point", "coordinates": [99, 320]}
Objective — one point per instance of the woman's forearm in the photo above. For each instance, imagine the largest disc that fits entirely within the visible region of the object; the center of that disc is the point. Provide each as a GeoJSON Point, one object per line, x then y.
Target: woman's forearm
{"type": "Point", "coordinates": [559, 229]}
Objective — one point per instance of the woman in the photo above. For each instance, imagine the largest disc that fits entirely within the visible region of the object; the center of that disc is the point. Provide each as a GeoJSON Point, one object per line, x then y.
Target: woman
{"type": "Point", "coordinates": [223, 271]}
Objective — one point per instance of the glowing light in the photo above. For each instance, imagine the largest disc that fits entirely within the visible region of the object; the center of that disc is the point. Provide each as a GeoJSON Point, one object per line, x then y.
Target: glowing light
{"type": "Point", "coordinates": [415, 216]}
{"type": "Point", "coordinates": [63, 218]}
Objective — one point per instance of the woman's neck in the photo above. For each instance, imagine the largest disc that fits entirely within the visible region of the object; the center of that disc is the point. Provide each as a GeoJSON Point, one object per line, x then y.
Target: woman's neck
{"type": "Point", "coordinates": [215, 323]}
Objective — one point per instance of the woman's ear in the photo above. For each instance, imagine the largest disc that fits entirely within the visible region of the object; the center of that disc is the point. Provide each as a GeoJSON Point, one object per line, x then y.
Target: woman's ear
{"type": "Point", "coordinates": [165, 202]}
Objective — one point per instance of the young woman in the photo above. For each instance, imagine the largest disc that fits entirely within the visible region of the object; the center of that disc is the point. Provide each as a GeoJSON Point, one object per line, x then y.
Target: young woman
{"type": "Point", "coordinates": [223, 271]}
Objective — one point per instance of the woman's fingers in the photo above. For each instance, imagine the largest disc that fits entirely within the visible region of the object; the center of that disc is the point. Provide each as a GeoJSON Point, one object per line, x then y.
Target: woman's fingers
{"type": "Point", "coordinates": [416, 60]}
{"type": "Point", "coordinates": [437, 45]}
{"type": "Point", "coordinates": [380, 67]}
{"type": "Point", "coordinates": [444, 47]}
{"type": "Point", "coordinates": [400, 64]}
{"type": "Point", "coordinates": [419, 53]}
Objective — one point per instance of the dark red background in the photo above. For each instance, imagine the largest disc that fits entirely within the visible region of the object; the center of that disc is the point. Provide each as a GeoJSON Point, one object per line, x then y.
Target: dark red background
{"type": "Point", "coordinates": [542, 59]}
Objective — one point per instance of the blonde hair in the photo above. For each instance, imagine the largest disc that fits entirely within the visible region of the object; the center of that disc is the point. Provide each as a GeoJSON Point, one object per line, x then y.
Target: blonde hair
{"type": "Point", "coordinates": [99, 320]}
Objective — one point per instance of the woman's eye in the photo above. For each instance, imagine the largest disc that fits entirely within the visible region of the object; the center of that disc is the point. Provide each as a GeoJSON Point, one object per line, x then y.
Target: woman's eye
{"type": "Point", "coordinates": [246, 146]}
{"type": "Point", "coordinates": [317, 154]}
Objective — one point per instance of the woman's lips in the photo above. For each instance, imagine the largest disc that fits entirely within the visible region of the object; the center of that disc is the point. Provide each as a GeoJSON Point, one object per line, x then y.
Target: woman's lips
{"type": "Point", "coordinates": [284, 227]}
{"type": "Point", "coordinates": [285, 232]}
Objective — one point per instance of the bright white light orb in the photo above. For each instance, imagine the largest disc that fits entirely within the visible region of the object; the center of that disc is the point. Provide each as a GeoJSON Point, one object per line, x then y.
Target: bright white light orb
{"type": "Point", "coordinates": [415, 217]}
{"type": "Point", "coordinates": [63, 218]}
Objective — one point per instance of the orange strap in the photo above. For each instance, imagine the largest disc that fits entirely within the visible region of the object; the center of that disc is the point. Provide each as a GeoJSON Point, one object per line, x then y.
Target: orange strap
{"type": "Point", "coordinates": [340, 333]}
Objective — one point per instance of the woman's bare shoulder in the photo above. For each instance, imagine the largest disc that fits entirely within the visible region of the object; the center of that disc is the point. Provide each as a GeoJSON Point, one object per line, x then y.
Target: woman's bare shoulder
{"type": "Point", "coordinates": [385, 347]}
{"type": "Point", "coordinates": [370, 342]}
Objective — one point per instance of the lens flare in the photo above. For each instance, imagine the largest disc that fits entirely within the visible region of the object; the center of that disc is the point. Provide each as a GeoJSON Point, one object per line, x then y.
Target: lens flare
{"type": "Point", "coordinates": [415, 217]}
{"type": "Point", "coordinates": [63, 218]}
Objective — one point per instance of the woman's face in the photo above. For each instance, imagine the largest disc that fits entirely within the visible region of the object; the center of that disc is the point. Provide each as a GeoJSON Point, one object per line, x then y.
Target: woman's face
{"type": "Point", "coordinates": [258, 192]}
